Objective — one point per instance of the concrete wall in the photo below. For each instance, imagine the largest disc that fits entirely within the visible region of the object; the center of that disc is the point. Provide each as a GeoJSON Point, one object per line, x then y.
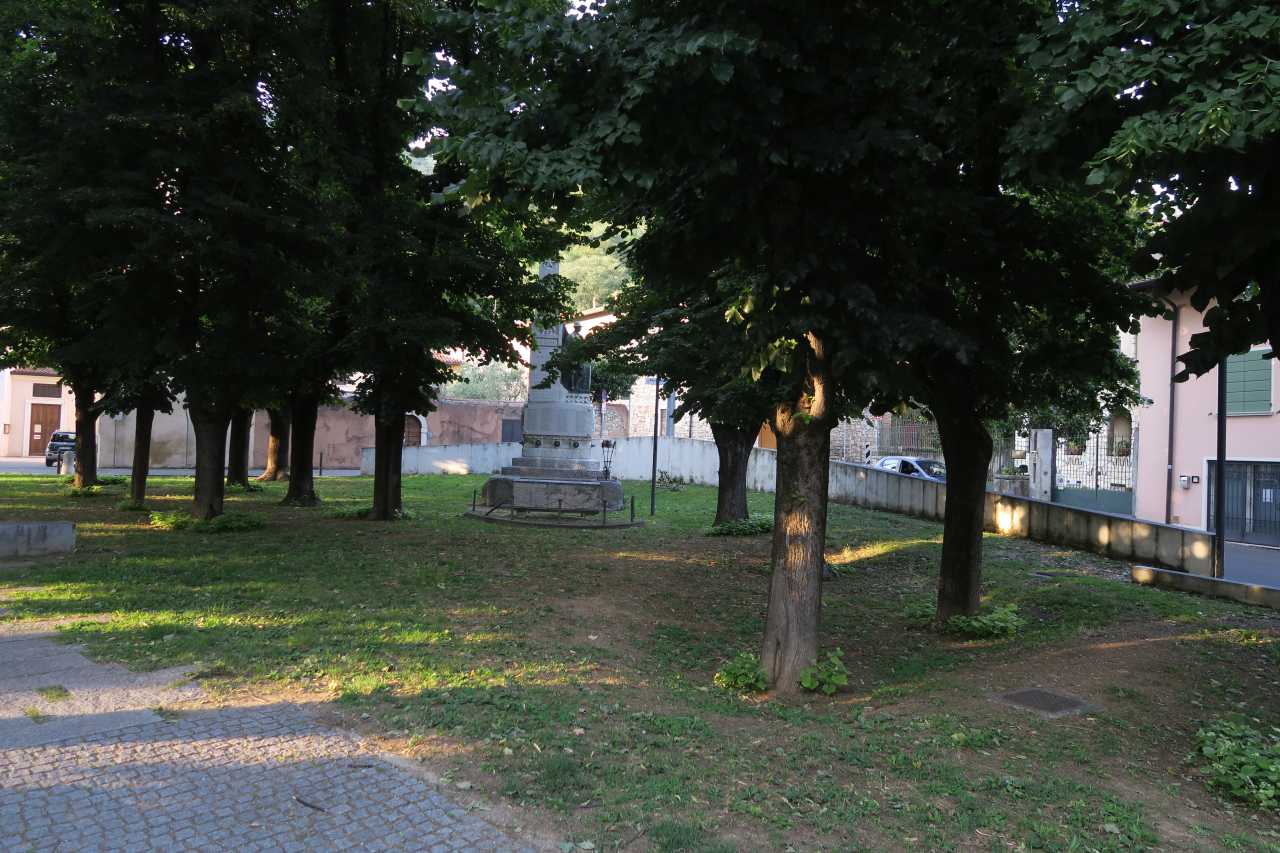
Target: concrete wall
{"type": "Point", "coordinates": [1249, 437]}
{"type": "Point", "coordinates": [173, 443]}
{"type": "Point", "coordinates": [1116, 536]}
{"type": "Point", "coordinates": [470, 421]}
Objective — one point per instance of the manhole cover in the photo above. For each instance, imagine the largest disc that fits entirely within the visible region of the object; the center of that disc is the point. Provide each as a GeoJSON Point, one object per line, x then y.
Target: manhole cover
{"type": "Point", "coordinates": [1045, 702]}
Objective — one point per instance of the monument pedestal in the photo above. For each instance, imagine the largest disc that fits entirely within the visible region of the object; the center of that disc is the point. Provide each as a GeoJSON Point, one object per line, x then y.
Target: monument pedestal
{"type": "Point", "coordinates": [560, 468]}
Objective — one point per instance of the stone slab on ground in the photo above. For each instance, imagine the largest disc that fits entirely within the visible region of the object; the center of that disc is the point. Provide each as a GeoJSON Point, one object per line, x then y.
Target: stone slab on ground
{"type": "Point", "coordinates": [100, 770]}
{"type": "Point", "coordinates": [35, 538]}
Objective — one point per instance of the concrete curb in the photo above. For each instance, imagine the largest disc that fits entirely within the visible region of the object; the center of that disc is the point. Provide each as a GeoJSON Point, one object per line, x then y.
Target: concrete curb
{"type": "Point", "coordinates": [1247, 593]}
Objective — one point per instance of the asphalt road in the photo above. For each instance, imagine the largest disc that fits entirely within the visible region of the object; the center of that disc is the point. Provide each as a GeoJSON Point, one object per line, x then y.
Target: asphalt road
{"type": "Point", "coordinates": [1253, 564]}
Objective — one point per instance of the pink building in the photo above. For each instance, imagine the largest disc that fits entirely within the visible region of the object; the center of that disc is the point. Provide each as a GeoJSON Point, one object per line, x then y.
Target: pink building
{"type": "Point", "coordinates": [1179, 433]}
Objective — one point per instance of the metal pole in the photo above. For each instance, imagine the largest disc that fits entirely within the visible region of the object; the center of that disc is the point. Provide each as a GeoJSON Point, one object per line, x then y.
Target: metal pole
{"type": "Point", "coordinates": [1220, 479]}
{"type": "Point", "coordinates": [1097, 464]}
{"type": "Point", "coordinates": [321, 464]}
{"type": "Point", "coordinates": [653, 474]}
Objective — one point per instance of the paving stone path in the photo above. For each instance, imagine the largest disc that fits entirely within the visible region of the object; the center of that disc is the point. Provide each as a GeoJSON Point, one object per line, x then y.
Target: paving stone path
{"type": "Point", "coordinates": [99, 769]}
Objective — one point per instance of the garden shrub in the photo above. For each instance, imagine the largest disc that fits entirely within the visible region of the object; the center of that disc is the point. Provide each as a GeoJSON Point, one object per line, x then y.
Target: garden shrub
{"type": "Point", "coordinates": [744, 527]}
{"type": "Point", "coordinates": [742, 675]}
{"type": "Point", "coordinates": [1003, 621]}
{"type": "Point", "coordinates": [826, 675]}
{"type": "Point", "coordinates": [1244, 762]}
{"type": "Point", "coordinates": [83, 492]}
{"type": "Point", "coordinates": [920, 612]}
{"type": "Point", "coordinates": [231, 522]}
{"type": "Point", "coordinates": [173, 520]}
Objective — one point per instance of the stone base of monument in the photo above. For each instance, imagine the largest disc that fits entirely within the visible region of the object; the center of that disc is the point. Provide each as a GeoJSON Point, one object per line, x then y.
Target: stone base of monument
{"type": "Point", "coordinates": [554, 501]}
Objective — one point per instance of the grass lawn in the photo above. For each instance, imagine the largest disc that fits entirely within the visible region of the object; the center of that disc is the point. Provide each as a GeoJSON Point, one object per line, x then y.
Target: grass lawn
{"type": "Point", "coordinates": [569, 673]}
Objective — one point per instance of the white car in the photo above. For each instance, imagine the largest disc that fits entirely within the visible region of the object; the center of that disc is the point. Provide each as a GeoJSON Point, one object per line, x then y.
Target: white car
{"type": "Point", "coordinates": [925, 469]}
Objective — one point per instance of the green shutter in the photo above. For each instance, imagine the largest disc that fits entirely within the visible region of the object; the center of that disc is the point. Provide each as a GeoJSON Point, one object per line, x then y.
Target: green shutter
{"type": "Point", "coordinates": [1249, 383]}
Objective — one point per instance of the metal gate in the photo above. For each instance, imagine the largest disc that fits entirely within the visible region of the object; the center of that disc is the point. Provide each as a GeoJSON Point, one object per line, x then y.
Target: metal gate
{"type": "Point", "coordinates": [1253, 502]}
{"type": "Point", "coordinates": [1096, 473]}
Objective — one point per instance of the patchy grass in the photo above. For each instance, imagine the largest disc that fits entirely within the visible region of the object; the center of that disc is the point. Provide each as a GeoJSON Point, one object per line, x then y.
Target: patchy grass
{"type": "Point", "coordinates": [33, 714]}
{"type": "Point", "coordinates": [53, 693]}
{"type": "Point", "coordinates": [572, 672]}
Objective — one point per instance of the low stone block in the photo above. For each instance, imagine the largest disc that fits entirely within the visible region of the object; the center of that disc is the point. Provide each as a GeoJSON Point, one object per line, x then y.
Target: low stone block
{"type": "Point", "coordinates": [35, 538]}
{"type": "Point", "coordinates": [1216, 587]}
{"type": "Point", "coordinates": [542, 494]}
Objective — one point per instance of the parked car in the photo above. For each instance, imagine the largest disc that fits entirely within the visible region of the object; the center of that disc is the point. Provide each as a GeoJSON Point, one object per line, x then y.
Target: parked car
{"type": "Point", "coordinates": [925, 469]}
{"type": "Point", "coordinates": [59, 442]}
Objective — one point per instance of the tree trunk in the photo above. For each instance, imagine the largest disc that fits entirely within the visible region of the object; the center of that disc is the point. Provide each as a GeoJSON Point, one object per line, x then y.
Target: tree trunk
{"type": "Point", "coordinates": [799, 546]}
{"type": "Point", "coordinates": [803, 429]}
{"type": "Point", "coordinates": [388, 445]}
{"type": "Point", "coordinates": [209, 423]}
{"type": "Point", "coordinates": [303, 411]}
{"type": "Point", "coordinates": [733, 445]}
{"type": "Point", "coordinates": [86, 435]}
{"type": "Point", "coordinates": [966, 444]}
{"type": "Point", "coordinates": [238, 448]}
{"type": "Point", "coordinates": [144, 418]}
{"type": "Point", "coordinates": [277, 446]}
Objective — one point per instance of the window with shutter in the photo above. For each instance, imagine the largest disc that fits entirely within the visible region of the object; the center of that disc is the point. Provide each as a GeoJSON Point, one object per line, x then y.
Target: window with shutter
{"type": "Point", "coordinates": [1249, 383]}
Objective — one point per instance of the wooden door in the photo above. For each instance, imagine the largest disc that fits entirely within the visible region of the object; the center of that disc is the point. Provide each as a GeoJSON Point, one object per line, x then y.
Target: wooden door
{"type": "Point", "coordinates": [44, 421]}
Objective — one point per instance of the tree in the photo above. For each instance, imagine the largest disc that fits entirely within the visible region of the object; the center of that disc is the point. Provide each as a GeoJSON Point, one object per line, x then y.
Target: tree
{"type": "Point", "coordinates": [277, 467]}
{"type": "Point", "coordinates": [61, 207]}
{"type": "Point", "coordinates": [492, 381]}
{"type": "Point", "coordinates": [596, 268]}
{"type": "Point", "coordinates": [1174, 104]}
{"type": "Point", "coordinates": [417, 274]}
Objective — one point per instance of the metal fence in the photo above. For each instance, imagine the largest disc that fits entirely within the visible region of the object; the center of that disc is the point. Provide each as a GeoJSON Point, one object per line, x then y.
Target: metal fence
{"type": "Point", "coordinates": [1096, 472]}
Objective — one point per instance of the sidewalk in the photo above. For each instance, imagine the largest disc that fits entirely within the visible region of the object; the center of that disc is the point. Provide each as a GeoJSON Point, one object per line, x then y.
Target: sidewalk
{"type": "Point", "coordinates": [93, 758]}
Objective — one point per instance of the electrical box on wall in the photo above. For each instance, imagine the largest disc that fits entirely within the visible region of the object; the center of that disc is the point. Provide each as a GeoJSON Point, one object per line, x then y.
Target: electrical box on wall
{"type": "Point", "coordinates": [1184, 481]}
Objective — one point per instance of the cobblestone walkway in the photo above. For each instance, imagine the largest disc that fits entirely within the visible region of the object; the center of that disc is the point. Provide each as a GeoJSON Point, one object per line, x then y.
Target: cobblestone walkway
{"type": "Point", "coordinates": [96, 769]}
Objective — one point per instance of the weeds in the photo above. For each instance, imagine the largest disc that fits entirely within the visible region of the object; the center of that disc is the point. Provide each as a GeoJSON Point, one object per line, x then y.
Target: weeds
{"type": "Point", "coordinates": [752, 526]}
{"type": "Point", "coordinates": [742, 675]}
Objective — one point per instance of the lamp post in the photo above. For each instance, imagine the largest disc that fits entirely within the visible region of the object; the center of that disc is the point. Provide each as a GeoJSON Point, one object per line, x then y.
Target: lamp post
{"type": "Point", "coordinates": [653, 473]}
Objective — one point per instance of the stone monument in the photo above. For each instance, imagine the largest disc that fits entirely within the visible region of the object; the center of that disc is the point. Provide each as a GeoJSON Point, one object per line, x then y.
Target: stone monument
{"type": "Point", "coordinates": [561, 466]}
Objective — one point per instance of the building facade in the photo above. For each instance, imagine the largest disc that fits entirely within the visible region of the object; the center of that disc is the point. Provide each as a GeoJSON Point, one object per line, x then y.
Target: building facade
{"type": "Point", "coordinates": [1179, 433]}
{"type": "Point", "coordinates": [33, 405]}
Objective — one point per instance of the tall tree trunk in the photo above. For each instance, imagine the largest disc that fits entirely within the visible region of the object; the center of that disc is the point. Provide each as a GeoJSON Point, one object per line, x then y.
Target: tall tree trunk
{"type": "Point", "coordinates": [388, 447]}
{"type": "Point", "coordinates": [303, 411]}
{"type": "Point", "coordinates": [966, 445]}
{"type": "Point", "coordinates": [86, 434]}
{"type": "Point", "coordinates": [733, 446]}
{"type": "Point", "coordinates": [803, 429]}
{"type": "Point", "coordinates": [277, 446]}
{"type": "Point", "coordinates": [143, 419]}
{"type": "Point", "coordinates": [238, 448]}
{"type": "Point", "coordinates": [209, 423]}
